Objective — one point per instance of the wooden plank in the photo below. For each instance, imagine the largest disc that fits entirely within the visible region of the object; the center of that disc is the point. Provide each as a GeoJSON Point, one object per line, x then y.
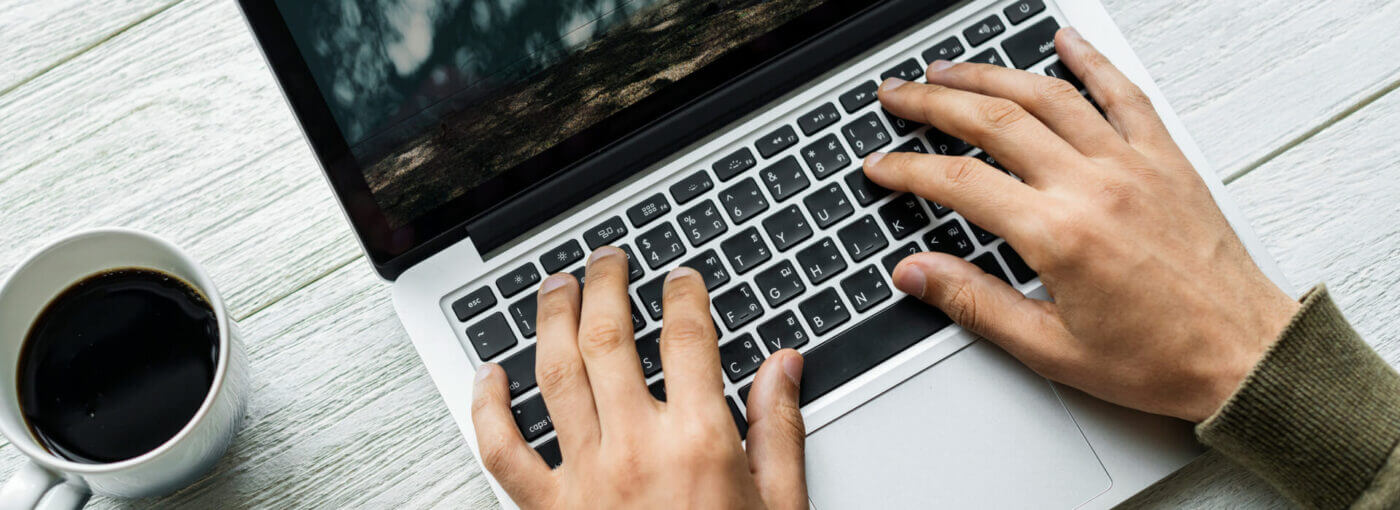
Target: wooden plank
{"type": "Point", "coordinates": [37, 36]}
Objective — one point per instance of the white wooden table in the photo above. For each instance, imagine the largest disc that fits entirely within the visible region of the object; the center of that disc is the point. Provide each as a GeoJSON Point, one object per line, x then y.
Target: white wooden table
{"type": "Point", "coordinates": [160, 115]}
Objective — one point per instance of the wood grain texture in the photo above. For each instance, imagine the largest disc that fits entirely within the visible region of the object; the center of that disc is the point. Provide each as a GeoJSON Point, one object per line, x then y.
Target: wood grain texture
{"type": "Point", "coordinates": [36, 36]}
{"type": "Point", "coordinates": [175, 126]}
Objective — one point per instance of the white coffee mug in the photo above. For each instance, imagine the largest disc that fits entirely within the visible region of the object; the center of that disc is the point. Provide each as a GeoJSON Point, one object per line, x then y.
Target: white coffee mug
{"type": "Point", "coordinates": [52, 482]}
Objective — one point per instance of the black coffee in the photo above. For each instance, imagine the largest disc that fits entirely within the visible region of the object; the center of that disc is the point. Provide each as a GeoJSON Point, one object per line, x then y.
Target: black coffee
{"type": "Point", "coordinates": [117, 364]}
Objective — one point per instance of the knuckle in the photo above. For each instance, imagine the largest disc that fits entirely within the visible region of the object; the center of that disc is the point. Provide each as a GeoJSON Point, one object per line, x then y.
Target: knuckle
{"type": "Point", "coordinates": [999, 115]}
{"type": "Point", "coordinates": [556, 375]}
{"type": "Point", "coordinates": [963, 171]}
{"type": "Point", "coordinates": [494, 454]}
{"type": "Point", "coordinates": [686, 331]}
{"type": "Point", "coordinates": [1131, 97]}
{"type": "Point", "coordinates": [962, 306]}
{"type": "Point", "coordinates": [603, 335]}
{"type": "Point", "coordinates": [928, 101]}
{"type": "Point", "coordinates": [1053, 92]}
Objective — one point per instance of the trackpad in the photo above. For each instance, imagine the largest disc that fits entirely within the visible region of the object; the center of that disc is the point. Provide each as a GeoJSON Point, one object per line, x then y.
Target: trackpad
{"type": "Point", "coordinates": [976, 430]}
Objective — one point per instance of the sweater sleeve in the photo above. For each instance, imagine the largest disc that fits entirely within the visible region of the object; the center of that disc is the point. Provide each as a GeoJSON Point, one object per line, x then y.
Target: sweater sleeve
{"type": "Point", "coordinates": [1318, 417]}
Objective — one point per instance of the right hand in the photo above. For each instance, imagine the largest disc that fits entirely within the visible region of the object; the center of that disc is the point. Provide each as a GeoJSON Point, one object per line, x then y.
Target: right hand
{"type": "Point", "coordinates": [1157, 305]}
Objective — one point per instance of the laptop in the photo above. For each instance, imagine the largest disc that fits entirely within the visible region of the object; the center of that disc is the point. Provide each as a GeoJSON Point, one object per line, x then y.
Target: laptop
{"type": "Point", "coordinates": [479, 145]}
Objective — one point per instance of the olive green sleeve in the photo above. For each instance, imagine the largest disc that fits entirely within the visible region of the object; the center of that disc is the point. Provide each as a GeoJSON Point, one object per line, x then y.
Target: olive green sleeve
{"type": "Point", "coordinates": [1318, 417]}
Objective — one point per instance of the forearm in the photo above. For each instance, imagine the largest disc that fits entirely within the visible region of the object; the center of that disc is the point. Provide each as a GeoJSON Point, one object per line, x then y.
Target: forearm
{"type": "Point", "coordinates": [1319, 417]}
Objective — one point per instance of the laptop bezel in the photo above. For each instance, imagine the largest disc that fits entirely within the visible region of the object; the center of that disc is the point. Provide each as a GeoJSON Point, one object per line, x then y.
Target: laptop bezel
{"type": "Point", "coordinates": [745, 78]}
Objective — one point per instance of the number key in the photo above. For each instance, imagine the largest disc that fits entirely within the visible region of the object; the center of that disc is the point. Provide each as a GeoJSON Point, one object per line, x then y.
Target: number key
{"type": "Point", "coordinates": [702, 223]}
{"type": "Point", "coordinates": [743, 201]}
{"type": "Point", "coordinates": [866, 134]}
{"type": "Point", "coordinates": [825, 156]}
{"type": "Point", "coordinates": [660, 245]}
{"type": "Point", "coordinates": [784, 179]}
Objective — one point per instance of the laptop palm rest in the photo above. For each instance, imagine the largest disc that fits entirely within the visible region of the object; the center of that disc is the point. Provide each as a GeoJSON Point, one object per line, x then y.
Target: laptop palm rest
{"type": "Point", "coordinates": [976, 430]}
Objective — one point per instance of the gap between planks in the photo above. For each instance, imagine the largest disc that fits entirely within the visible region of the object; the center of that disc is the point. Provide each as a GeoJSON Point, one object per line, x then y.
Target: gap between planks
{"type": "Point", "coordinates": [80, 51]}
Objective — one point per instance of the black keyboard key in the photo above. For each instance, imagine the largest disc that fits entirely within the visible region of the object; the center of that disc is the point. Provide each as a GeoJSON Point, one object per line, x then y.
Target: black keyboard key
{"type": "Point", "coordinates": [648, 210]}
{"type": "Point", "coordinates": [821, 261]}
{"type": "Point", "coordinates": [784, 179]}
{"type": "Point", "coordinates": [491, 337]}
{"type": "Point", "coordinates": [549, 451]}
{"type": "Point", "coordinates": [989, 160]}
{"type": "Point", "coordinates": [660, 245]}
{"type": "Point", "coordinates": [638, 323]}
{"type": "Point", "coordinates": [779, 284]}
{"type": "Point", "coordinates": [859, 96]}
{"type": "Point", "coordinates": [901, 125]}
{"type": "Point", "coordinates": [776, 141]}
{"type": "Point", "coordinates": [520, 371]}
{"type": "Point", "coordinates": [608, 232]}
{"type": "Point", "coordinates": [744, 394]}
{"type": "Point", "coordinates": [865, 345]}
{"type": "Point", "coordinates": [649, 351]}
{"type": "Point", "coordinates": [561, 256]}
{"type": "Point", "coordinates": [982, 235]}
{"type": "Point", "coordinates": [523, 313]}
{"type": "Point", "coordinates": [825, 156]}
{"type": "Point", "coordinates": [702, 223]}
{"type": "Point", "coordinates": [824, 312]}
{"type": "Point", "coordinates": [893, 259]}
{"type": "Point", "coordinates": [1019, 269]}
{"type": "Point", "coordinates": [1033, 44]}
{"type": "Point", "coordinates": [738, 306]}
{"type": "Point", "coordinates": [862, 238]}
{"type": "Point", "coordinates": [710, 269]}
{"type": "Point", "coordinates": [521, 278]}
{"type": "Point", "coordinates": [473, 304]}
{"type": "Point", "coordinates": [580, 274]}
{"type": "Point", "coordinates": [739, 421]}
{"type": "Point", "coordinates": [1058, 70]}
{"type": "Point", "coordinates": [746, 250]}
{"type": "Point", "coordinates": [946, 144]}
{"type": "Point", "coordinates": [913, 145]}
{"type": "Point", "coordinates": [984, 30]}
{"type": "Point", "coordinates": [782, 332]}
{"type": "Point", "coordinates": [740, 357]}
{"type": "Point", "coordinates": [864, 189]}
{"type": "Point", "coordinates": [866, 288]}
{"type": "Point", "coordinates": [949, 49]}
{"type": "Point", "coordinates": [988, 57]}
{"type": "Point", "coordinates": [829, 205]}
{"type": "Point", "coordinates": [865, 134]}
{"type": "Point", "coordinates": [989, 265]}
{"type": "Point", "coordinates": [815, 120]}
{"type": "Point", "coordinates": [1022, 10]}
{"type": "Point", "coordinates": [658, 389]}
{"type": "Point", "coordinates": [904, 215]}
{"type": "Point", "coordinates": [939, 210]}
{"type": "Point", "coordinates": [743, 201]}
{"type": "Point", "coordinates": [908, 70]}
{"type": "Point", "coordinates": [949, 238]}
{"type": "Point", "coordinates": [634, 268]}
{"type": "Point", "coordinates": [533, 418]}
{"type": "Point", "coordinates": [650, 292]}
{"type": "Point", "coordinates": [735, 163]}
{"type": "Point", "coordinates": [787, 228]}
{"type": "Point", "coordinates": [690, 187]}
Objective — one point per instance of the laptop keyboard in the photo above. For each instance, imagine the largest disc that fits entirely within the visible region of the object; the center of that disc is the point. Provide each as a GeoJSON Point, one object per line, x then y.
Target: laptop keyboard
{"type": "Point", "coordinates": [795, 244]}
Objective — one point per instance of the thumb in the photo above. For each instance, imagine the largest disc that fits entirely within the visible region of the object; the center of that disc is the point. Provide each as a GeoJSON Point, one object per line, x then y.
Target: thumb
{"type": "Point", "coordinates": [1029, 329]}
{"type": "Point", "coordinates": [777, 434]}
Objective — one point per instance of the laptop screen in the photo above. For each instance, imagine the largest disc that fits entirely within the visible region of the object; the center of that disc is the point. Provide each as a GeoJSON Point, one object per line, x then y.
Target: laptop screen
{"type": "Point", "coordinates": [435, 98]}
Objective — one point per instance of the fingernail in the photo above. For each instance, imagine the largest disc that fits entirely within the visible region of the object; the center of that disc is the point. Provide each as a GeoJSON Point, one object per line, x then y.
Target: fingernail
{"type": "Point", "coordinates": [680, 272]}
{"type": "Point", "coordinates": [792, 368]}
{"type": "Point", "coordinates": [873, 158]}
{"type": "Point", "coordinates": [602, 253]}
{"type": "Point", "coordinates": [891, 84]}
{"type": "Point", "coordinates": [910, 279]}
{"type": "Point", "coordinates": [482, 374]}
{"type": "Point", "coordinates": [1073, 33]}
{"type": "Point", "coordinates": [553, 283]}
{"type": "Point", "coordinates": [939, 66]}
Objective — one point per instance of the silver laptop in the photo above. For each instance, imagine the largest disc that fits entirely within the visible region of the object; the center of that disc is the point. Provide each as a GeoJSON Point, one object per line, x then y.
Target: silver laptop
{"type": "Point", "coordinates": [479, 145]}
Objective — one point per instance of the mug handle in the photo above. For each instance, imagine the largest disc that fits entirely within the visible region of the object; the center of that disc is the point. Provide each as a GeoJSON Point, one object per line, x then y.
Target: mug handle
{"type": "Point", "coordinates": [36, 488]}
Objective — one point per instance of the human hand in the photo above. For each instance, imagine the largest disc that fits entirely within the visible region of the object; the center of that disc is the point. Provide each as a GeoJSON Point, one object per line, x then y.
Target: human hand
{"type": "Point", "coordinates": [1157, 306]}
{"type": "Point", "coordinates": [621, 447]}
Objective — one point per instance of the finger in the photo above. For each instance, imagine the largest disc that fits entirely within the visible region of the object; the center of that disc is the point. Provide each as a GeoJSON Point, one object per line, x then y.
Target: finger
{"type": "Point", "coordinates": [1055, 102]}
{"type": "Point", "coordinates": [504, 452]}
{"type": "Point", "coordinates": [777, 434]}
{"type": "Point", "coordinates": [689, 345]}
{"type": "Point", "coordinates": [999, 126]}
{"type": "Point", "coordinates": [559, 368]}
{"type": "Point", "coordinates": [1029, 329]}
{"type": "Point", "coordinates": [608, 343]}
{"type": "Point", "coordinates": [1128, 108]}
{"type": "Point", "coordinates": [984, 195]}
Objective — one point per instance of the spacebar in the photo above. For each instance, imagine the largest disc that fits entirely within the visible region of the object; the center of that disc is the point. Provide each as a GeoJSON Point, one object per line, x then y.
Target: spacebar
{"type": "Point", "coordinates": [874, 340]}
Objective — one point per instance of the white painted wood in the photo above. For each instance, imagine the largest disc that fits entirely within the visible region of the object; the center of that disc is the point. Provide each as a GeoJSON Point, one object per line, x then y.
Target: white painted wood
{"type": "Point", "coordinates": [175, 126]}
{"type": "Point", "coordinates": [35, 36]}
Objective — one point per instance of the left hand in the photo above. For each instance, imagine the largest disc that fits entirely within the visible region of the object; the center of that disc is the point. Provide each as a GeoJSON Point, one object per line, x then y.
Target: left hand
{"type": "Point", "coordinates": [621, 447]}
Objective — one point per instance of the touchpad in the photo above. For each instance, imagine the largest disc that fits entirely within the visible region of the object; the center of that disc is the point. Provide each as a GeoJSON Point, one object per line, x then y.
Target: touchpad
{"type": "Point", "coordinates": [976, 430]}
